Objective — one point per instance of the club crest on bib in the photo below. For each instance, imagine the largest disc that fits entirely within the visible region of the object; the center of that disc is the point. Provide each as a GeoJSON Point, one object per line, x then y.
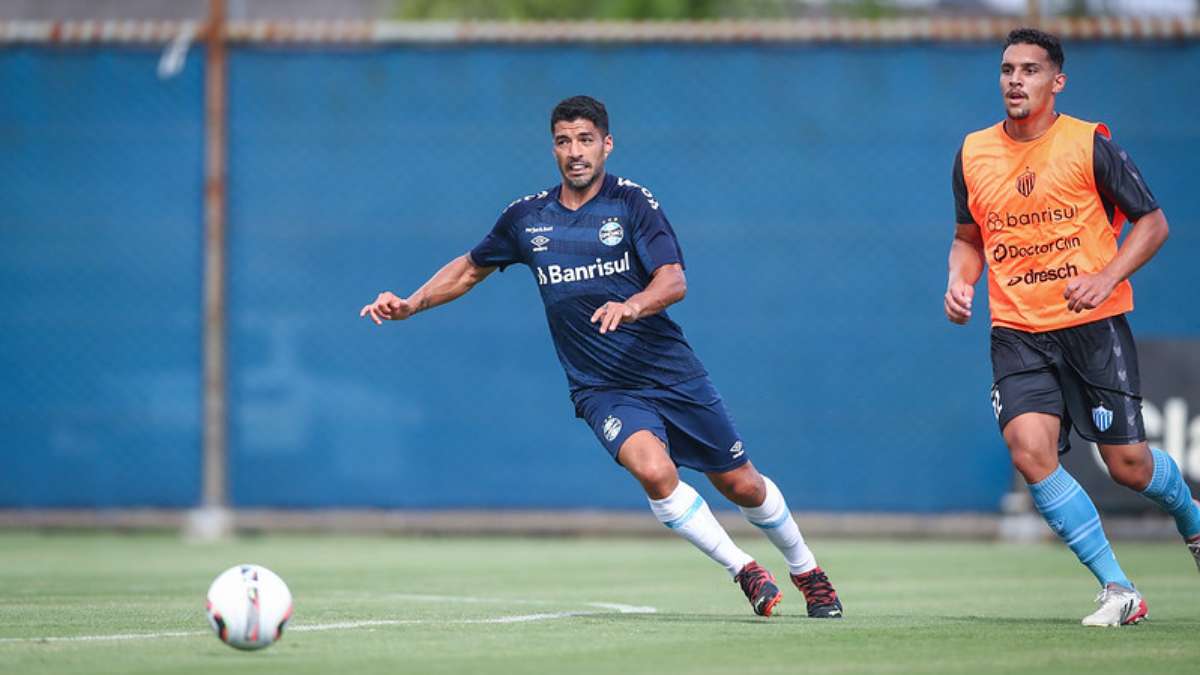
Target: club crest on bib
{"type": "Point", "coordinates": [1102, 417]}
{"type": "Point", "coordinates": [611, 427]}
{"type": "Point", "coordinates": [611, 232]}
{"type": "Point", "coordinates": [1025, 182]}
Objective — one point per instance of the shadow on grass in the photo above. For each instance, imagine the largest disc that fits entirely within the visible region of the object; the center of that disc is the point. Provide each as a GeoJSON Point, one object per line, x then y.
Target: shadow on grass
{"type": "Point", "coordinates": [679, 617]}
{"type": "Point", "coordinates": [1062, 621]}
{"type": "Point", "coordinates": [877, 621]}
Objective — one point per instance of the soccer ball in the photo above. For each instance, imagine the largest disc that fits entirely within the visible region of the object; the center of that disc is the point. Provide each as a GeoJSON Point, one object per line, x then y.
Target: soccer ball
{"type": "Point", "coordinates": [248, 606]}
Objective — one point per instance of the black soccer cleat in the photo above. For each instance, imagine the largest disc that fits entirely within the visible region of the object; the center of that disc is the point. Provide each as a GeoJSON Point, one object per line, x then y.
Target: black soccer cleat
{"type": "Point", "coordinates": [759, 586]}
{"type": "Point", "coordinates": [822, 600]}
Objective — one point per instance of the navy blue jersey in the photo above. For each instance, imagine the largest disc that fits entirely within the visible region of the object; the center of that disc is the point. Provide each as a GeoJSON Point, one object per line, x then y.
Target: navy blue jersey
{"type": "Point", "coordinates": [606, 250]}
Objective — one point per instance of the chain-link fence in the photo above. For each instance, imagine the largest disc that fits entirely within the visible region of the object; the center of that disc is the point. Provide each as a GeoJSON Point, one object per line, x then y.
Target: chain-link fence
{"type": "Point", "coordinates": [809, 184]}
{"type": "Point", "coordinates": [100, 163]}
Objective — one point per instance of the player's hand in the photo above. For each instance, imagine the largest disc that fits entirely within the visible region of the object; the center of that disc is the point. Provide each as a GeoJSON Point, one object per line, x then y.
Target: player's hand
{"type": "Point", "coordinates": [388, 307]}
{"type": "Point", "coordinates": [958, 302]}
{"type": "Point", "coordinates": [613, 314]}
{"type": "Point", "coordinates": [1088, 291]}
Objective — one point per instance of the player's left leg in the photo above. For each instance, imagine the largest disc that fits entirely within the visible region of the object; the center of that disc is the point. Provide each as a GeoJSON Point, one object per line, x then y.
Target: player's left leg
{"type": "Point", "coordinates": [763, 505]}
{"type": "Point", "coordinates": [1155, 475]}
{"type": "Point", "coordinates": [1102, 389]}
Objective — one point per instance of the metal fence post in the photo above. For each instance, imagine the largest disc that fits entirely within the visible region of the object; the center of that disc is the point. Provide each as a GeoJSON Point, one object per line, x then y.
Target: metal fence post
{"type": "Point", "coordinates": [213, 519]}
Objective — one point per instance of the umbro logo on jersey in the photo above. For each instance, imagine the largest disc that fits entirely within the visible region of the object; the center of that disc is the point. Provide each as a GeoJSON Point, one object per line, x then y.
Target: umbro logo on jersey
{"type": "Point", "coordinates": [625, 182]}
{"type": "Point", "coordinates": [541, 195]}
{"type": "Point", "coordinates": [1026, 182]}
{"type": "Point", "coordinates": [737, 450]}
{"type": "Point", "coordinates": [539, 243]}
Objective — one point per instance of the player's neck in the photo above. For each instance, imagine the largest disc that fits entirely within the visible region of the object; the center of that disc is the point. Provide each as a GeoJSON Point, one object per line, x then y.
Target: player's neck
{"type": "Point", "coordinates": [574, 199]}
{"type": "Point", "coordinates": [1031, 128]}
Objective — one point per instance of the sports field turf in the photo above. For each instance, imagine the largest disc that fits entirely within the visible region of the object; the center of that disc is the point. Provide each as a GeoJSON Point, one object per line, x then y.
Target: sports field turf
{"type": "Point", "coordinates": [550, 606]}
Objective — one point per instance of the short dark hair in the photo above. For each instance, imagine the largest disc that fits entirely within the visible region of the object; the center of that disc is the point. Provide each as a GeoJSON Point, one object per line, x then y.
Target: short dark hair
{"type": "Point", "coordinates": [580, 107]}
{"type": "Point", "coordinates": [1033, 36]}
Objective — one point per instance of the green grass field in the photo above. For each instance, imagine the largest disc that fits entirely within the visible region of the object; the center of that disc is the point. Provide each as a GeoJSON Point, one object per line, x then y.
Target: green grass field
{"type": "Point", "coordinates": [542, 606]}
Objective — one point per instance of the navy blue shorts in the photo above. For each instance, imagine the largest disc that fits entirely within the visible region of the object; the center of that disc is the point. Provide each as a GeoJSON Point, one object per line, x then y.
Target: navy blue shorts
{"type": "Point", "coordinates": [689, 418]}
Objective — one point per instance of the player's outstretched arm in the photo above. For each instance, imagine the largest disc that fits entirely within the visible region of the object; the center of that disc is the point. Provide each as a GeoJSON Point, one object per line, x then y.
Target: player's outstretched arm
{"type": "Point", "coordinates": [1144, 240]}
{"type": "Point", "coordinates": [449, 283]}
{"type": "Point", "coordinates": [966, 266]}
{"type": "Point", "coordinates": [667, 286]}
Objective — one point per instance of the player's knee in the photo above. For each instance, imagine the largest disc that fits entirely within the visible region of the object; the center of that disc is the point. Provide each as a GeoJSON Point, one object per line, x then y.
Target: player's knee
{"type": "Point", "coordinates": [748, 494]}
{"type": "Point", "coordinates": [659, 480]}
{"type": "Point", "coordinates": [1033, 446]}
{"type": "Point", "coordinates": [1033, 462]}
{"type": "Point", "coordinates": [1133, 472]}
{"type": "Point", "coordinates": [743, 488]}
{"type": "Point", "coordinates": [645, 457]}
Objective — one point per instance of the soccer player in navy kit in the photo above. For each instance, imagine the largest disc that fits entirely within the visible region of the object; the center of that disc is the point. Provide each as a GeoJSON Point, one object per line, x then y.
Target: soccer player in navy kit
{"type": "Point", "coordinates": [607, 265]}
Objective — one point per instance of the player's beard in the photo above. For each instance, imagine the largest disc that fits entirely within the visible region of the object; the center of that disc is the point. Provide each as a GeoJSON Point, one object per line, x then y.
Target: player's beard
{"type": "Point", "coordinates": [1019, 113]}
{"type": "Point", "coordinates": [582, 183]}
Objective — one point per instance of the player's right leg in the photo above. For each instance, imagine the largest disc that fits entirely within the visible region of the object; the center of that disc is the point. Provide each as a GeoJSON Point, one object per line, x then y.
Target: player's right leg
{"type": "Point", "coordinates": [764, 506]}
{"type": "Point", "coordinates": [634, 435]}
{"type": "Point", "coordinates": [1027, 399]}
{"type": "Point", "coordinates": [1033, 439]}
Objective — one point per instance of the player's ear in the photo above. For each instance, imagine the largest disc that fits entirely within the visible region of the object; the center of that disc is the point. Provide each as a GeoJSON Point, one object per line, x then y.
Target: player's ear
{"type": "Point", "coordinates": [1060, 83]}
{"type": "Point", "coordinates": [608, 144]}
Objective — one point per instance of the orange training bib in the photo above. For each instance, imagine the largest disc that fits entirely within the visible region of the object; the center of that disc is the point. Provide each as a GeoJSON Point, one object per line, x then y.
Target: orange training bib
{"type": "Point", "coordinates": [1042, 221]}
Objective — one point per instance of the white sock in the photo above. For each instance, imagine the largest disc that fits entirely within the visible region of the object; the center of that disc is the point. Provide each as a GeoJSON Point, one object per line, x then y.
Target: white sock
{"type": "Point", "coordinates": [774, 519]}
{"type": "Point", "coordinates": [686, 512]}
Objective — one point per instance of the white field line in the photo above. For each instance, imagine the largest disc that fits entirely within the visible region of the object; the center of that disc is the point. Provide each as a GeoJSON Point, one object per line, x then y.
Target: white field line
{"type": "Point", "coordinates": [105, 638]}
{"type": "Point", "coordinates": [602, 608]}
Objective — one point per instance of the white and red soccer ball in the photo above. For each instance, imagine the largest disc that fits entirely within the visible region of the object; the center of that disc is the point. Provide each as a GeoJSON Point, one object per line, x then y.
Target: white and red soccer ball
{"type": "Point", "coordinates": [248, 606]}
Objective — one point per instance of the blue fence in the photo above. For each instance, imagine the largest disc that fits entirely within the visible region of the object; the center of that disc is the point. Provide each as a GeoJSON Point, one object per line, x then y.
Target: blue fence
{"type": "Point", "coordinates": [810, 187]}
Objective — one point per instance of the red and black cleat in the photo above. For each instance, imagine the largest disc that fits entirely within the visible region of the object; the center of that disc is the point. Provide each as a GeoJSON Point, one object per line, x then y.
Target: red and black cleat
{"type": "Point", "coordinates": [818, 593]}
{"type": "Point", "coordinates": [759, 586]}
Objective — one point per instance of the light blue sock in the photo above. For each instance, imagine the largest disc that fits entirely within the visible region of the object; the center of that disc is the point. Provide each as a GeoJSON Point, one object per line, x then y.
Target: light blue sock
{"type": "Point", "coordinates": [1168, 489]}
{"type": "Point", "coordinates": [1071, 514]}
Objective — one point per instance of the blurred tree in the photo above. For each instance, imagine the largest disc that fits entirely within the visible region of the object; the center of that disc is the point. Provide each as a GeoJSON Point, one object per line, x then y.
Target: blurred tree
{"type": "Point", "coordinates": [1077, 8]}
{"type": "Point", "coordinates": [555, 9]}
{"type": "Point", "coordinates": [759, 9]}
{"type": "Point", "coordinates": [651, 9]}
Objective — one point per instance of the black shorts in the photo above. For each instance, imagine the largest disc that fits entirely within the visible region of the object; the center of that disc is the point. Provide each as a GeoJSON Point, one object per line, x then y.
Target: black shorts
{"type": "Point", "coordinates": [1087, 375]}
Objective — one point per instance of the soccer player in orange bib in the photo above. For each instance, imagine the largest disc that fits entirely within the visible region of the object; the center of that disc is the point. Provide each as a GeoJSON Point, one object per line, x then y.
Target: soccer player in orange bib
{"type": "Point", "coordinates": [1040, 199]}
